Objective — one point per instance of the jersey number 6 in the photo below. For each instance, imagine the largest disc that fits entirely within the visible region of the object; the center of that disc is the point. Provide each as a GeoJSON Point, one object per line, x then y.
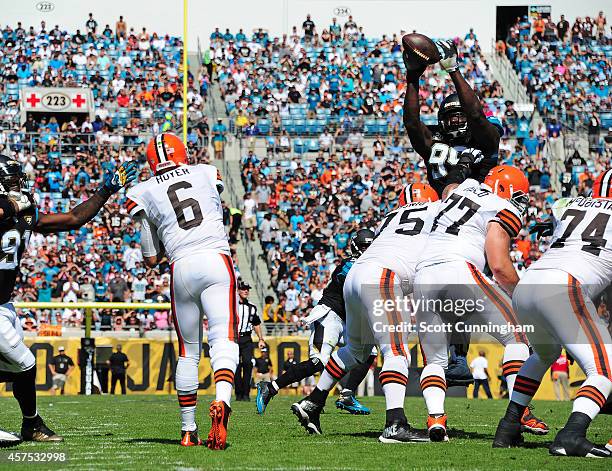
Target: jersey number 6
{"type": "Point", "coordinates": [180, 206]}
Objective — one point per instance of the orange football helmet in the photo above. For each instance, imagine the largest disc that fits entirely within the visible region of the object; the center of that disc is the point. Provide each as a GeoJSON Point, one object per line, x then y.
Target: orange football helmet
{"type": "Point", "coordinates": [166, 151]}
{"type": "Point", "coordinates": [510, 183]}
{"type": "Point", "coordinates": [602, 188]}
{"type": "Point", "coordinates": [417, 193]}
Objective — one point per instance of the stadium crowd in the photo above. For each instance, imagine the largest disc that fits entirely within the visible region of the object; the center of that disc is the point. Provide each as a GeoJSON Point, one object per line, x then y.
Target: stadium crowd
{"type": "Point", "coordinates": [335, 80]}
{"type": "Point", "coordinates": [135, 76]}
{"type": "Point", "coordinates": [565, 69]}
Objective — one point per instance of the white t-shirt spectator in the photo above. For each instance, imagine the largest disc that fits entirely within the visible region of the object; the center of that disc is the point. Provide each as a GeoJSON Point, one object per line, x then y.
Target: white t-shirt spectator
{"type": "Point", "coordinates": [478, 366]}
{"type": "Point", "coordinates": [292, 302]}
{"type": "Point", "coordinates": [131, 256]}
{"type": "Point", "coordinates": [249, 207]}
{"type": "Point", "coordinates": [139, 289]}
{"type": "Point", "coordinates": [70, 290]}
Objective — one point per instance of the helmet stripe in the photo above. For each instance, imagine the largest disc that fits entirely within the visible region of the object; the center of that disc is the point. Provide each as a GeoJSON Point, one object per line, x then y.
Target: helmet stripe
{"type": "Point", "coordinates": [160, 150]}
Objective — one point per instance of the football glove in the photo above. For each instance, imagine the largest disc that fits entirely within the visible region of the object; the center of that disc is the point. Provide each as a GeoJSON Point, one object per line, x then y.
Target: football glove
{"type": "Point", "coordinates": [124, 174]}
{"type": "Point", "coordinates": [21, 200]}
{"type": "Point", "coordinates": [448, 51]}
{"type": "Point", "coordinates": [542, 229]}
{"type": "Point", "coordinates": [470, 156]}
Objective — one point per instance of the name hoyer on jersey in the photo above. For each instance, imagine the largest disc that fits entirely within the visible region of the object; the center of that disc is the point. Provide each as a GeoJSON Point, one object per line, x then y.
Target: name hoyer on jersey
{"type": "Point", "coordinates": [179, 172]}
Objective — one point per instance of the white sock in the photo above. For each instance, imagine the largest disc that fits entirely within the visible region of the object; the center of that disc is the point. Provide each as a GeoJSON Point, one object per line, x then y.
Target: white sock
{"type": "Point", "coordinates": [433, 385]}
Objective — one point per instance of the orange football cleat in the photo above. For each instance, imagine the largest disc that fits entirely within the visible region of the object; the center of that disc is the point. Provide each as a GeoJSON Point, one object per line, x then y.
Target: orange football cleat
{"type": "Point", "coordinates": [531, 424]}
{"type": "Point", "coordinates": [436, 427]}
{"type": "Point", "coordinates": [190, 438]}
{"type": "Point", "coordinates": [219, 413]}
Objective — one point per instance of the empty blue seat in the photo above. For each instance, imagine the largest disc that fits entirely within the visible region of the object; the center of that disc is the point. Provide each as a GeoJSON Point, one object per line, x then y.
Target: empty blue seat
{"type": "Point", "coordinates": [313, 145]}
{"type": "Point", "coordinates": [263, 125]}
{"type": "Point", "coordinates": [298, 146]}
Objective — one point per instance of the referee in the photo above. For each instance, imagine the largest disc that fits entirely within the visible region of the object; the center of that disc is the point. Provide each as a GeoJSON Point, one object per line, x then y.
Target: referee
{"type": "Point", "coordinates": [249, 320]}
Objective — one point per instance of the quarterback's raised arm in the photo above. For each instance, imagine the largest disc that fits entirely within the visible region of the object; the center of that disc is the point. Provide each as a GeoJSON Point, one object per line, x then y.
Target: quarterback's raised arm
{"type": "Point", "coordinates": [85, 212]}
{"type": "Point", "coordinates": [419, 134]}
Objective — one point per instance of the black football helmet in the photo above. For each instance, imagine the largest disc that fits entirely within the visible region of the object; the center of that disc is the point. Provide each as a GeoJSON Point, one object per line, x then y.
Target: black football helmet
{"type": "Point", "coordinates": [12, 177]}
{"type": "Point", "coordinates": [360, 241]}
{"type": "Point", "coordinates": [452, 120]}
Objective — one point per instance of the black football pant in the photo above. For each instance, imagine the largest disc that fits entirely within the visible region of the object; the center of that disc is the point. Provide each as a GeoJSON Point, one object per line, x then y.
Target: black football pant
{"type": "Point", "coordinates": [118, 377]}
{"type": "Point", "coordinates": [242, 379]}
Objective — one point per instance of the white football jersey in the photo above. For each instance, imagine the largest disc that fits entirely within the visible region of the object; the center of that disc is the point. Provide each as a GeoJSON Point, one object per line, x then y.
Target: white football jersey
{"type": "Point", "coordinates": [459, 229]}
{"type": "Point", "coordinates": [401, 237]}
{"type": "Point", "coordinates": [582, 242]}
{"type": "Point", "coordinates": [185, 208]}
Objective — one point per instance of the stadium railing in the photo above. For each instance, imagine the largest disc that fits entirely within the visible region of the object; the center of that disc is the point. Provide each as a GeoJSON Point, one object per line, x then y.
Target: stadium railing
{"type": "Point", "coordinates": [270, 328]}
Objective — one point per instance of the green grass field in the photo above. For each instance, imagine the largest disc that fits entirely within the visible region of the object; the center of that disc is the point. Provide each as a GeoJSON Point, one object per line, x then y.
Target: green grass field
{"type": "Point", "coordinates": [142, 432]}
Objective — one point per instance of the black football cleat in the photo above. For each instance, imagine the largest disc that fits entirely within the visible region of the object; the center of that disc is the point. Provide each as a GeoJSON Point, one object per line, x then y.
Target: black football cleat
{"type": "Point", "coordinates": [508, 434]}
{"type": "Point", "coordinates": [264, 395]}
{"type": "Point", "coordinates": [8, 439]}
{"type": "Point", "coordinates": [190, 438]}
{"type": "Point", "coordinates": [308, 413]}
{"type": "Point", "coordinates": [399, 432]}
{"type": "Point", "coordinates": [35, 430]}
{"type": "Point", "coordinates": [570, 443]}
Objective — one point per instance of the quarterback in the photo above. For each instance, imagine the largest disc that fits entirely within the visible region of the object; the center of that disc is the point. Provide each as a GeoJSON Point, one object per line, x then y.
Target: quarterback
{"type": "Point", "coordinates": [180, 217]}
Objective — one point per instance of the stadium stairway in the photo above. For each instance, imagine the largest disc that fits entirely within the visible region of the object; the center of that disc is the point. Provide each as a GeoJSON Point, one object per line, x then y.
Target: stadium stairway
{"type": "Point", "coordinates": [250, 255]}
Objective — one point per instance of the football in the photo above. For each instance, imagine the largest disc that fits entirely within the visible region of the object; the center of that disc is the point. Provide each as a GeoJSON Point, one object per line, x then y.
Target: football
{"type": "Point", "coordinates": [419, 50]}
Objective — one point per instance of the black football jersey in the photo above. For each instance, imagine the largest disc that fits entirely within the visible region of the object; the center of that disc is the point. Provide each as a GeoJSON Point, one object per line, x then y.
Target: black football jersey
{"type": "Point", "coordinates": [445, 156]}
{"type": "Point", "coordinates": [14, 237]}
{"type": "Point", "coordinates": [333, 294]}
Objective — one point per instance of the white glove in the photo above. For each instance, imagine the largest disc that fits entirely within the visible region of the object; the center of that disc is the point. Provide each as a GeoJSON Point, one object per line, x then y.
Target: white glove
{"type": "Point", "coordinates": [21, 200]}
{"type": "Point", "coordinates": [471, 156]}
{"type": "Point", "coordinates": [448, 51]}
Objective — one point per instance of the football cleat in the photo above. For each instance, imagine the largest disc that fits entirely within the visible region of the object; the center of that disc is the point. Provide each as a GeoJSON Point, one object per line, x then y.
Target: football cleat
{"type": "Point", "coordinates": [308, 413]}
{"type": "Point", "coordinates": [264, 394]}
{"type": "Point", "coordinates": [217, 437]}
{"type": "Point", "coordinates": [609, 445]}
{"type": "Point", "coordinates": [458, 373]}
{"type": "Point", "coordinates": [8, 439]}
{"type": "Point", "coordinates": [508, 434]}
{"type": "Point", "coordinates": [36, 431]}
{"type": "Point", "coordinates": [399, 432]}
{"type": "Point", "coordinates": [436, 428]}
{"type": "Point", "coordinates": [349, 403]}
{"type": "Point", "coordinates": [190, 438]}
{"type": "Point", "coordinates": [569, 443]}
{"type": "Point", "coordinates": [531, 424]}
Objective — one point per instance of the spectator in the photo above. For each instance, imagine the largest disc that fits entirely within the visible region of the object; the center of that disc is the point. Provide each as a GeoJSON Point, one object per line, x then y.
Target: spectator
{"type": "Point", "coordinates": [91, 24]}
{"type": "Point", "coordinates": [480, 372]}
{"type": "Point", "coordinates": [263, 366]}
{"type": "Point", "coordinates": [559, 372]}
{"type": "Point", "coordinates": [531, 146]}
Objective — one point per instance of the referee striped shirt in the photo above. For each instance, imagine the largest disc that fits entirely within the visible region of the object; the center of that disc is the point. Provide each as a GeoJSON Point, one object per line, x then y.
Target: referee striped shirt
{"type": "Point", "coordinates": [249, 318]}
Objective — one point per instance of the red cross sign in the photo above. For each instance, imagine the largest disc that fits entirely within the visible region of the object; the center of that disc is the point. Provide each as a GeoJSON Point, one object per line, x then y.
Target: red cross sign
{"type": "Point", "coordinates": [33, 100]}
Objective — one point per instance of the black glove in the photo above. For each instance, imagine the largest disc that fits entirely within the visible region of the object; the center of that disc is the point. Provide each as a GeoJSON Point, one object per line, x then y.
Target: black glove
{"type": "Point", "coordinates": [462, 169]}
{"type": "Point", "coordinates": [542, 229]}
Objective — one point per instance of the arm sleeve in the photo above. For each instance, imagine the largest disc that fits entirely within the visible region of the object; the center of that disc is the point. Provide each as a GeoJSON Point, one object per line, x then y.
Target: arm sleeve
{"type": "Point", "coordinates": [150, 245]}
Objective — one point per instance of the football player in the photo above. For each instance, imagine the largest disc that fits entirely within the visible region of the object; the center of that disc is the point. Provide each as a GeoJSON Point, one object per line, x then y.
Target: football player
{"type": "Point", "coordinates": [556, 294]}
{"type": "Point", "coordinates": [462, 124]}
{"type": "Point", "coordinates": [377, 276]}
{"type": "Point", "coordinates": [19, 217]}
{"type": "Point", "coordinates": [474, 225]}
{"type": "Point", "coordinates": [327, 321]}
{"type": "Point", "coordinates": [180, 216]}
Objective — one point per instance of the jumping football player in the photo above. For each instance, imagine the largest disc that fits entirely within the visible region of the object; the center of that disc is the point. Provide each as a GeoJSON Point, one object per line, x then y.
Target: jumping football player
{"type": "Point", "coordinates": [474, 225]}
{"type": "Point", "coordinates": [556, 294]}
{"type": "Point", "coordinates": [327, 321]}
{"type": "Point", "coordinates": [180, 216]}
{"type": "Point", "coordinates": [19, 217]}
{"type": "Point", "coordinates": [462, 124]}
